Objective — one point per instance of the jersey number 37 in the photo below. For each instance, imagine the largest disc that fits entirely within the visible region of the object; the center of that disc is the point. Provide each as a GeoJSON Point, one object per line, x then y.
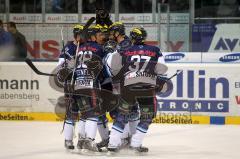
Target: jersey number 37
{"type": "Point", "coordinates": [137, 60]}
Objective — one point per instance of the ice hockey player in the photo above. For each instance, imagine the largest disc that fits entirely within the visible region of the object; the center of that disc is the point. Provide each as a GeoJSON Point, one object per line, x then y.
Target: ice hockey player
{"type": "Point", "coordinates": [65, 61]}
{"type": "Point", "coordinates": [117, 33]}
{"type": "Point", "coordinates": [106, 96]}
{"type": "Point", "coordinates": [87, 79]}
{"type": "Point", "coordinates": [116, 36]}
{"type": "Point", "coordinates": [139, 66]}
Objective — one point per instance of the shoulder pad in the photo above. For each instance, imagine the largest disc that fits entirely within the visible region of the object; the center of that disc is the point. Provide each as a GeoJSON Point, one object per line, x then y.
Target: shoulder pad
{"type": "Point", "coordinates": [125, 44]}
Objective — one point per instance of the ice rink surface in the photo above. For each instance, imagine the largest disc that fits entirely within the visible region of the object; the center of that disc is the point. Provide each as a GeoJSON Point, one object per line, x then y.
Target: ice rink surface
{"type": "Point", "coordinates": [43, 140]}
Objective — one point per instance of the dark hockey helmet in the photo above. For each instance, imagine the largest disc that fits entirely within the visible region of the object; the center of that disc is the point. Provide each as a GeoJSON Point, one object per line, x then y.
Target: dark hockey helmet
{"type": "Point", "coordinates": [117, 27]}
{"type": "Point", "coordinates": [77, 30]}
{"type": "Point", "coordinates": [138, 35]}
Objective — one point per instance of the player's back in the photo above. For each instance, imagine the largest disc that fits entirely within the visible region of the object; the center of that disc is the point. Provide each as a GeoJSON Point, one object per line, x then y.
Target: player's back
{"type": "Point", "coordinates": [92, 47]}
{"type": "Point", "coordinates": [141, 61]}
{"type": "Point", "coordinates": [89, 65]}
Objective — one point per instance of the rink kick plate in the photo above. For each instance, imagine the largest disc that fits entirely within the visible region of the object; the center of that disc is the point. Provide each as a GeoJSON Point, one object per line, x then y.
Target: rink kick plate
{"type": "Point", "coordinates": [193, 119]}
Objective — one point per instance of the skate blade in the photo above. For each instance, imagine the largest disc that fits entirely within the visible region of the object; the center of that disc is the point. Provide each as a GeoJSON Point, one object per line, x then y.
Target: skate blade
{"type": "Point", "coordinates": [69, 150]}
{"type": "Point", "coordinates": [138, 153]}
{"type": "Point", "coordinates": [111, 153]}
{"type": "Point", "coordinates": [126, 153]}
{"type": "Point", "coordinates": [87, 152]}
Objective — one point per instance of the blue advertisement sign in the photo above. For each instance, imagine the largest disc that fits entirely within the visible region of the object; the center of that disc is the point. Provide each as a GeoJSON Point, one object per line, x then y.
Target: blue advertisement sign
{"type": "Point", "coordinates": [216, 38]}
{"type": "Point", "coordinates": [202, 35]}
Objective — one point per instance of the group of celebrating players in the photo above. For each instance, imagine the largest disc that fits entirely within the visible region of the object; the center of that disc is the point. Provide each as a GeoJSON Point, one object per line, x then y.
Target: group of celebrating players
{"type": "Point", "coordinates": [103, 70]}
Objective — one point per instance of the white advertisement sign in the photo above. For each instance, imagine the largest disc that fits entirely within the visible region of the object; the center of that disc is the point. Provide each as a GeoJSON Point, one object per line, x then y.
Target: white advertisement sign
{"type": "Point", "coordinates": [73, 18]}
{"type": "Point", "coordinates": [26, 18]}
{"type": "Point", "coordinates": [206, 89]}
{"type": "Point", "coordinates": [175, 18]}
{"type": "Point", "coordinates": [61, 18]}
{"type": "Point", "coordinates": [182, 57]}
{"type": "Point", "coordinates": [226, 38]}
{"type": "Point", "coordinates": [200, 89]}
{"type": "Point", "coordinates": [136, 18]}
{"type": "Point", "coordinates": [85, 17]}
{"type": "Point", "coordinates": [230, 57]}
{"type": "Point", "coordinates": [148, 18]}
{"type": "Point", "coordinates": [23, 90]}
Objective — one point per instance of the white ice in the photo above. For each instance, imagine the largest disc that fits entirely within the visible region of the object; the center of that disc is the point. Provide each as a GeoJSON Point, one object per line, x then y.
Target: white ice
{"type": "Point", "coordinates": [42, 140]}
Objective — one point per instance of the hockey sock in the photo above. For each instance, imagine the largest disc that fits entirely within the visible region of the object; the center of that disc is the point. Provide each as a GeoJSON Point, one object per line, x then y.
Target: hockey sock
{"type": "Point", "coordinates": [68, 130]}
{"type": "Point", "coordinates": [81, 128]}
{"type": "Point", "coordinates": [126, 130]}
{"type": "Point", "coordinates": [137, 138]}
{"type": "Point", "coordinates": [132, 126]}
{"type": "Point", "coordinates": [103, 130]}
{"type": "Point", "coordinates": [91, 127]}
{"type": "Point", "coordinates": [115, 137]}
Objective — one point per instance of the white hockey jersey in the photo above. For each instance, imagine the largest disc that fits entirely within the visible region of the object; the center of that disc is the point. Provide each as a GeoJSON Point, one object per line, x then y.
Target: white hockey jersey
{"type": "Point", "coordinates": [140, 64]}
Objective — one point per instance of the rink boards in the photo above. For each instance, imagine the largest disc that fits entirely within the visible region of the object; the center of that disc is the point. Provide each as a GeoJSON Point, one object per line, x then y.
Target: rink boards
{"type": "Point", "coordinates": [201, 94]}
{"type": "Point", "coordinates": [33, 116]}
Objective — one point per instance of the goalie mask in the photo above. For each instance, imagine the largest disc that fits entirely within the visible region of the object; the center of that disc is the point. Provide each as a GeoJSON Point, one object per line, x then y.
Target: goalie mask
{"type": "Point", "coordinates": [138, 35]}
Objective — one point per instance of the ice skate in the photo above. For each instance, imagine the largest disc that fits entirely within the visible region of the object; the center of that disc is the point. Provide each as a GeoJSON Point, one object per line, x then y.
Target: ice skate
{"type": "Point", "coordinates": [112, 149]}
{"type": "Point", "coordinates": [91, 145]}
{"type": "Point", "coordinates": [103, 143]}
{"type": "Point", "coordinates": [69, 144]}
{"type": "Point", "coordinates": [139, 149]}
{"type": "Point", "coordinates": [125, 142]}
{"type": "Point", "coordinates": [80, 143]}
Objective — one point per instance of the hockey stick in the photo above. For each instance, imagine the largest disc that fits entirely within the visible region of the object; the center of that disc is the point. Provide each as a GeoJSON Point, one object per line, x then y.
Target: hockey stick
{"type": "Point", "coordinates": [177, 73]}
{"type": "Point", "coordinates": [89, 22]}
{"type": "Point", "coordinates": [63, 46]}
{"type": "Point", "coordinates": [75, 65]}
{"type": "Point", "coordinates": [86, 26]}
{"type": "Point", "coordinates": [161, 80]}
{"type": "Point", "coordinates": [34, 68]}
